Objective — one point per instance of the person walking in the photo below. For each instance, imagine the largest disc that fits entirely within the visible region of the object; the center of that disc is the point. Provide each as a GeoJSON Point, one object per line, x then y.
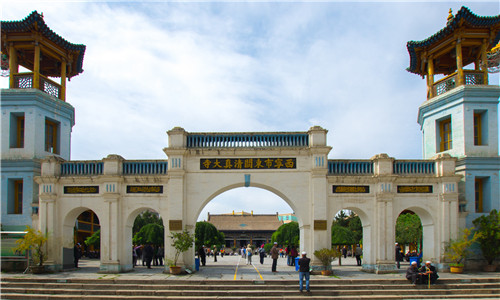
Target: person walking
{"type": "Point", "coordinates": [304, 262]}
{"type": "Point", "coordinates": [148, 254]}
{"type": "Point", "coordinates": [160, 254]}
{"type": "Point", "coordinates": [139, 251]}
{"type": "Point", "coordinates": [293, 254]}
{"type": "Point", "coordinates": [249, 254]}
{"type": "Point", "coordinates": [262, 254]}
{"type": "Point", "coordinates": [274, 256]}
{"type": "Point", "coordinates": [202, 255]}
{"type": "Point", "coordinates": [358, 254]}
{"type": "Point", "coordinates": [399, 256]}
{"type": "Point", "coordinates": [77, 254]}
{"type": "Point", "coordinates": [344, 251]}
{"type": "Point", "coordinates": [134, 256]}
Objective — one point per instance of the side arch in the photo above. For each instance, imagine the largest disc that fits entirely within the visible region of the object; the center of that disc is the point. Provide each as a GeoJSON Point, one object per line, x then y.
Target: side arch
{"type": "Point", "coordinates": [367, 241]}
{"type": "Point", "coordinates": [68, 226]}
{"type": "Point", "coordinates": [127, 232]}
{"type": "Point", "coordinates": [430, 246]}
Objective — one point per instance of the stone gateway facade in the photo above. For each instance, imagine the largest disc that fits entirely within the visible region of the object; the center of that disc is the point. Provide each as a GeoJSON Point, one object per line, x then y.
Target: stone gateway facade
{"type": "Point", "coordinates": [294, 166]}
{"type": "Point", "coordinates": [456, 182]}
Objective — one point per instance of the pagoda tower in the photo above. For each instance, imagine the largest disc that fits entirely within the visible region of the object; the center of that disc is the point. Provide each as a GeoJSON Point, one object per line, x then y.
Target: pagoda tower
{"type": "Point", "coordinates": [460, 114]}
{"type": "Point", "coordinates": [36, 119]}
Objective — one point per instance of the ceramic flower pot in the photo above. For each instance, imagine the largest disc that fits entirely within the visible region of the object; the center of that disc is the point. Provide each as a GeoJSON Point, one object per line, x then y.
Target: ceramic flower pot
{"type": "Point", "coordinates": [456, 269]}
{"type": "Point", "coordinates": [175, 270]}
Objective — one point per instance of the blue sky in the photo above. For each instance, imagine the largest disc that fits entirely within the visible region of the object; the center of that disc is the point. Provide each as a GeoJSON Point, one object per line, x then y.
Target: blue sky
{"type": "Point", "coordinates": [245, 66]}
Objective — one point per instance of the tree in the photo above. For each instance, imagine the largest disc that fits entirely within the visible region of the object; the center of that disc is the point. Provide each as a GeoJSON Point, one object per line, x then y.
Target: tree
{"type": "Point", "coordinates": [356, 228]}
{"type": "Point", "coordinates": [206, 234]}
{"type": "Point", "coordinates": [34, 241]}
{"type": "Point", "coordinates": [457, 249]}
{"type": "Point", "coordinates": [150, 233]}
{"type": "Point", "coordinates": [94, 239]}
{"type": "Point", "coordinates": [342, 236]}
{"type": "Point", "coordinates": [182, 241]}
{"type": "Point", "coordinates": [146, 217]}
{"type": "Point", "coordinates": [287, 234]}
{"type": "Point", "coordinates": [346, 230]}
{"type": "Point", "coordinates": [488, 229]}
{"type": "Point", "coordinates": [341, 219]}
{"type": "Point", "coordinates": [408, 229]}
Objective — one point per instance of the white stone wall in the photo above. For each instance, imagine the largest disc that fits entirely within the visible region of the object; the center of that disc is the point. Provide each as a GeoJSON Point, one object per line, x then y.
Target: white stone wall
{"type": "Point", "coordinates": [307, 189]}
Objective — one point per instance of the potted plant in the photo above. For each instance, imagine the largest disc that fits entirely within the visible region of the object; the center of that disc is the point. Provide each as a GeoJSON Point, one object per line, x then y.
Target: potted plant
{"type": "Point", "coordinates": [458, 249]}
{"type": "Point", "coordinates": [326, 256]}
{"type": "Point", "coordinates": [488, 229]}
{"type": "Point", "coordinates": [34, 242]}
{"type": "Point", "coordinates": [182, 241]}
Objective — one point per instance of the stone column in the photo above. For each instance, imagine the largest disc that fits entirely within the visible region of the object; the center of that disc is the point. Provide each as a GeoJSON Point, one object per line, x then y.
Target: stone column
{"type": "Point", "coordinates": [115, 257]}
{"type": "Point", "coordinates": [110, 232]}
{"type": "Point", "coordinates": [319, 229]}
{"type": "Point", "coordinates": [381, 255]}
{"type": "Point", "coordinates": [48, 222]}
{"type": "Point", "coordinates": [447, 224]}
{"type": "Point", "coordinates": [174, 211]}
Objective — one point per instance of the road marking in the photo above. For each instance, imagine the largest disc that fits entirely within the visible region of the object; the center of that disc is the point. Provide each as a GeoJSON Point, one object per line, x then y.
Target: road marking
{"type": "Point", "coordinates": [257, 272]}
{"type": "Point", "coordinates": [236, 271]}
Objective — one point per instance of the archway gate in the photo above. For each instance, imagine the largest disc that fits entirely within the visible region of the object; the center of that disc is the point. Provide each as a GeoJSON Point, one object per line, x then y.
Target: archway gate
{"type": "Point", "coordinates": [293, 165]}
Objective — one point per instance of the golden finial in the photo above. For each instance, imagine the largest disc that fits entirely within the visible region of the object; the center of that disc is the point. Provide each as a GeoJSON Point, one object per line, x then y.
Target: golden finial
{"type": "Point", "coordinates": [450, 17]}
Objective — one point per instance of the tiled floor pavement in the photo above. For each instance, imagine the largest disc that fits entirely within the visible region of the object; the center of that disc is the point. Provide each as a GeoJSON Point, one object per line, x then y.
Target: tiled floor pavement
{"type": "Point", "coordinates": [235, 268]}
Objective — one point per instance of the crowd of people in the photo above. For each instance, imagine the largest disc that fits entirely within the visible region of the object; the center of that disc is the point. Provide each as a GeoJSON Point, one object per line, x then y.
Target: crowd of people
{"type": "Point", "coordinates": [148, 255]}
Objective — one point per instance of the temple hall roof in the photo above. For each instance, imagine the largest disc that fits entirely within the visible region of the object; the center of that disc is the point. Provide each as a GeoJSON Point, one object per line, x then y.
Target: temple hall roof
{"type": "Point", "coordinates": [245, 222]}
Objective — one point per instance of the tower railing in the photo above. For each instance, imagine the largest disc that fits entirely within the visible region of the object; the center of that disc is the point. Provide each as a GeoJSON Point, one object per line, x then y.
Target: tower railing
{"type": "Point", "coordinates": [246, 140]}
{"type": "Point", "coordinates": [341, 167]}
{"type": "Point", "coordinates": [145, 167]}
{"type": "Point", "coordinates": [414, 167]}
{"type": "Point", "coordinates": [450, 82]}
{"type": "Point", "coordinates": [25, 81]}
{"type": "Point", "coordinates": [82, 168]}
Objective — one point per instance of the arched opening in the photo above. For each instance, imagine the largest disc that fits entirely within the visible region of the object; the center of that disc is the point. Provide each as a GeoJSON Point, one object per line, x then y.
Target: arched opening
{"type": "Point", "coordinates": [145, 240]}
{"type": "Point", "coordinates": [414, 236]}
{"type": "Point", "coordinates": [246, 217]}
{"type": "Point", "coordinates": [81, 236]}
{"type": "Point", "coordinates": [347, 235]}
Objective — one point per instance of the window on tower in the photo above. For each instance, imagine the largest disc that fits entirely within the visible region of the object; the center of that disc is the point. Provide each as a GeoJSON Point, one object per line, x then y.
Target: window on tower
{"type": "Point", "coordinates": [17, 130]}
{"type": "Point", "coordinates": [51, 136]}
{"type": "Point", "coordinates": [479, 193]}
{"type": "Point", "coordinates": [480, 135]}
{"type": "Point", "coordinates": [15, 196]}
{"type": "Point", "coordinates": [445, 135]}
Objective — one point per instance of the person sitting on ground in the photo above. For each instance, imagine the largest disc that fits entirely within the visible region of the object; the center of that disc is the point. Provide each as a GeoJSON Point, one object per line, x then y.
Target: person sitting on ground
{"type": "Point", "coordinates": [427, 272]}
{"type": "Point", "coordinates": [412, 273]}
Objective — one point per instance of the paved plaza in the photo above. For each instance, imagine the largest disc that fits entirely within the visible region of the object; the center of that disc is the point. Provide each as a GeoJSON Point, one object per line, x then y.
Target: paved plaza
{"type": "Point", "coordinates": [235, 268]}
